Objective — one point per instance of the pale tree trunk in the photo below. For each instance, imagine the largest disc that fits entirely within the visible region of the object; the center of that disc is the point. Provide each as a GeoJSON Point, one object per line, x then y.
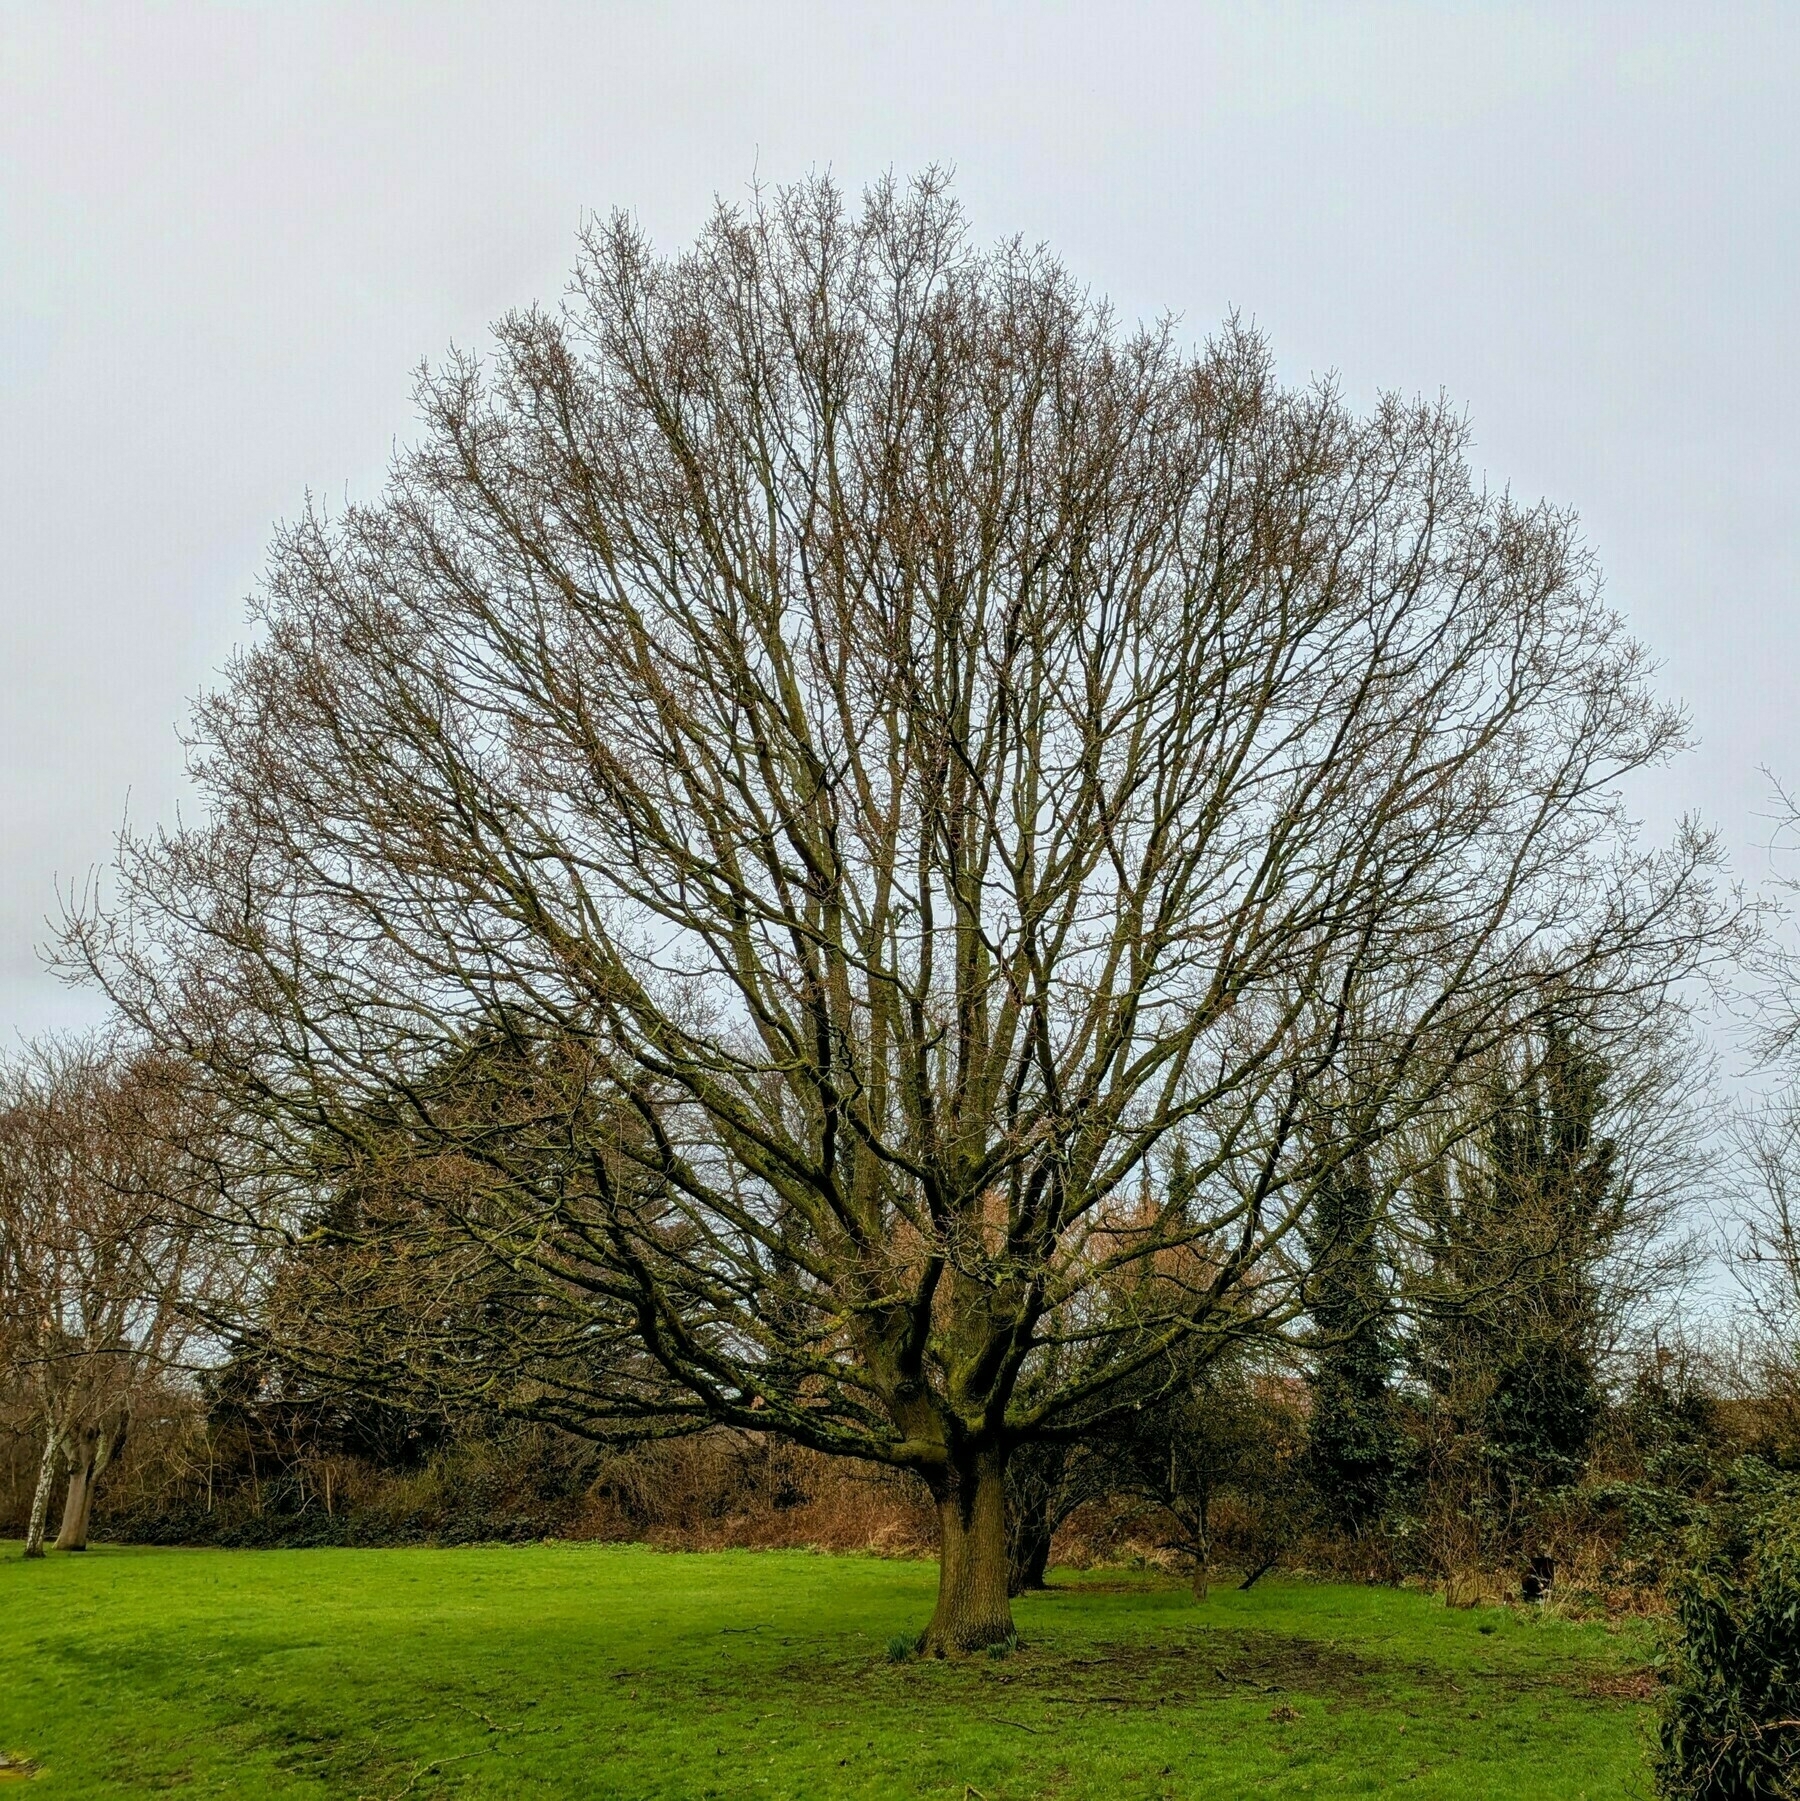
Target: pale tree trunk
{"type": "Point", "coordinates": [95, 1452]}
{"type": "Point", "coordinates": [73, 1535]}
{"type": "Point", "coordinates": [68, 1537]}
{"type": "Point", "coordinates": [103, 1458]}
{"type": "Point", "coordinates": [973, 1609]}
{"type": "Point", "coordinates": [112, 1442]}
{"type": "Point", "coordinates": [40, 1500]}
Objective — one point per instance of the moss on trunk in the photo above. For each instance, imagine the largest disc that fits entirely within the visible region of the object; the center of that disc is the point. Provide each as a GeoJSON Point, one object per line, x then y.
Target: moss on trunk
{"type": "Point", "coordinates": [973, 1608]}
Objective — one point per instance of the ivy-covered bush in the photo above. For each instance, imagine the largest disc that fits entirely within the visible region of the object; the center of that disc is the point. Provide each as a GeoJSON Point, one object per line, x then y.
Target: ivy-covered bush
{"type": "Point", "coordinates": [1731, 1717]}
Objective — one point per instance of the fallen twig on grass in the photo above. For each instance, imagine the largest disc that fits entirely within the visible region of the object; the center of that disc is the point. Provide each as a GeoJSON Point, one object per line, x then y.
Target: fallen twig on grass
{"type": "Point", "coordinates": [1262, 1688]}
{"type": "Point", "coordinates": [488, 1719]}
{"type": "Point", "coordinates": [423, 1769]}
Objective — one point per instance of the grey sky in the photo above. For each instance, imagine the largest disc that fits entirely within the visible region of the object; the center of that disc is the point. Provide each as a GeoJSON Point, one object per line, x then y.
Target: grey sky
{"type": "Point", "coordinates": [228, 234]}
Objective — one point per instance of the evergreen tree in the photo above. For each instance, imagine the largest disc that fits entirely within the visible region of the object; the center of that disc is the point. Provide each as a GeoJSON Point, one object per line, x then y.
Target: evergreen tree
{"type": "Point", "coordinates": [1510, 1309]}
{"type": "Point", "coordinates": [1354, 1444]}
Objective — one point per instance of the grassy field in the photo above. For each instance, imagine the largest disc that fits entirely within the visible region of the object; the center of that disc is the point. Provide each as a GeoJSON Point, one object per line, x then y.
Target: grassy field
{"type": "Point", "coordinates": [576, 1670]}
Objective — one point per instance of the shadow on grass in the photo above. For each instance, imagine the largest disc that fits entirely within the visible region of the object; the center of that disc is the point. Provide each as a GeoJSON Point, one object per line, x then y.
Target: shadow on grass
{"type": "Point", "coordinates": [1220, 1663]}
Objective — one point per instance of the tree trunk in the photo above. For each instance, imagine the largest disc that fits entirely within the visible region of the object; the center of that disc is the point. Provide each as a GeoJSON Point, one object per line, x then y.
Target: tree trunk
{"type": "Point", "coordinates": [1201, 1538]}
{"type": "Point", "coordinates": [73, 1536]}
{"type": "Point", "coordinates": [1028, 1560]}
{"type": "Point", "coordinates": [973, 1610]}
{"type": "Point", "coordinates": [40, 1500]}
{"type": "Point", "coordinates": [1034, 1484]}
{"type": "Point", "coordinates": [92, 1452]}
{"type": "Point", "coordinates": [87, 1509]}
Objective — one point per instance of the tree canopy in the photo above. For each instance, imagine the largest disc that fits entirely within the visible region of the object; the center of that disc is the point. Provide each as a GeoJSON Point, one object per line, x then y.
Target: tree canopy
{"type": "Point", "coordinates": [901, 756]}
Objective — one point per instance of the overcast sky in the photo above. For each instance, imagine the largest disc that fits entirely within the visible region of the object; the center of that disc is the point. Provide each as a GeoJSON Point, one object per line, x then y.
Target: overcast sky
{"type": "Point", "coordinates": [229, 234]}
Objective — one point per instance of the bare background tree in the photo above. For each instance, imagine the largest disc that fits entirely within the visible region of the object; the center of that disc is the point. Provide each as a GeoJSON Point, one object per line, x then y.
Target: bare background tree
{"type": "Point", "coordinates": [1764, 1227]}
{"type": "Point", "coordinates": [898, 759]}
{"type": "Point", "coordinates": [103, 1268]}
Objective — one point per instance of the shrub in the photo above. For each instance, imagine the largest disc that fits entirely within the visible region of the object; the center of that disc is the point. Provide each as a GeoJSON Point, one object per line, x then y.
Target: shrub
{"type": "Point", "coordinates": [1731, 1718]}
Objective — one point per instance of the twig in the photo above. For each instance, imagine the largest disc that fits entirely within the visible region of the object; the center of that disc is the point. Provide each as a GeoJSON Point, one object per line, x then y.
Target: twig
{"type": "Point", "coordinates": [425, 1769]}
{"type": "Point", "coordinates": [488, 1720]}
{"type": "Point", "coordinates": [1262, 1688]}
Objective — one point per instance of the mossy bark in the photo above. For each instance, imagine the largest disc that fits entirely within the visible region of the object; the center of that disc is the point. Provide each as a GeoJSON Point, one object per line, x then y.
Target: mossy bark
{"type": "Point", "coordinates": [973, 1608]}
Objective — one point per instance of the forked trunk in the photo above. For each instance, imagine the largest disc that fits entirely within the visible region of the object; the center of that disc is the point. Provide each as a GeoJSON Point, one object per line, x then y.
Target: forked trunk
{"type": "Point", "coordinates": [73, 1535]}
{"type": "Point", "coordinates": [40, 1500]}
{"type": "Point", "coordinates": [973, 1610]}
{"type": "Point", "coordinates": [89, 1455]}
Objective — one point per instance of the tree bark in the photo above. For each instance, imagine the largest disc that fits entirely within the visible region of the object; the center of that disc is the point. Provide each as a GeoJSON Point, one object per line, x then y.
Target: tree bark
{"type": "Point", "coordinates": [1034, 1483]}
{"type": "Point", "coordinates": [973, 1609]}
{"type": "Point", "coordinates": [93, 1451]}
{"type": "Point", "coordinates": [40, 1500]}
{"type": "Point", "coordinates": [73, 1533]}
{"type": "Point", "coordinates": [1029, 1561]}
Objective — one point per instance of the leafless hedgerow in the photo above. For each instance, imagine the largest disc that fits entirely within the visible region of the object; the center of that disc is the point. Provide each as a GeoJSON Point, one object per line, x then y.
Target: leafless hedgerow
{"type": "Point", "coordinates": [910, 753]}
{"type": "Point", "coordinates": [103, 1270]}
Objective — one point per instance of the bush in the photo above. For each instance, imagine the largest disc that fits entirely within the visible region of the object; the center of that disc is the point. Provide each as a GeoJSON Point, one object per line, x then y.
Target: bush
{"type": "Point", "coordinates": [1731, 1718]}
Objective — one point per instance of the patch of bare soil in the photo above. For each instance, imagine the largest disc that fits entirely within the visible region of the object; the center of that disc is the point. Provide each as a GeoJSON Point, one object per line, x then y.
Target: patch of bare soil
{"type": "Point", "coordinates": [1621, 1685]}
{"type": "Point", "coordinates": [1148, 1672]}
{"type": "Point", "coordinates": [1145, 1672]}
{"type": "Point", "coordinates": [1219, 1663]}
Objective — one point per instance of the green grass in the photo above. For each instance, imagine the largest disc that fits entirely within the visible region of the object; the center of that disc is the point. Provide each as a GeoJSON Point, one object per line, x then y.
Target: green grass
{"type": "Point", "coordinates": [578, 1670]}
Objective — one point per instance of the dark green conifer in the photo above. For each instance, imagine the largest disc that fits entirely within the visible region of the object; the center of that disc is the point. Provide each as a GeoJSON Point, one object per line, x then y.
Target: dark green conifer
{"type": "Point", "coordinates": [1509, 1314]}
{"type": "Point", "coordinates": [1354, 1444]}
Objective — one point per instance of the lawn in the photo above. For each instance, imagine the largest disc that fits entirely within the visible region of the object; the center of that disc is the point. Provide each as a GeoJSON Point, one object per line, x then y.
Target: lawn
{"type": "Point", "coordinates": [605, 1671]}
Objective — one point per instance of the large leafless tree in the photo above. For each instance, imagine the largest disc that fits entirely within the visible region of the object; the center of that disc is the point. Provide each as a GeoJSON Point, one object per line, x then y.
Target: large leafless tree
{"type": "Point", "coordinates": [910, 753]}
